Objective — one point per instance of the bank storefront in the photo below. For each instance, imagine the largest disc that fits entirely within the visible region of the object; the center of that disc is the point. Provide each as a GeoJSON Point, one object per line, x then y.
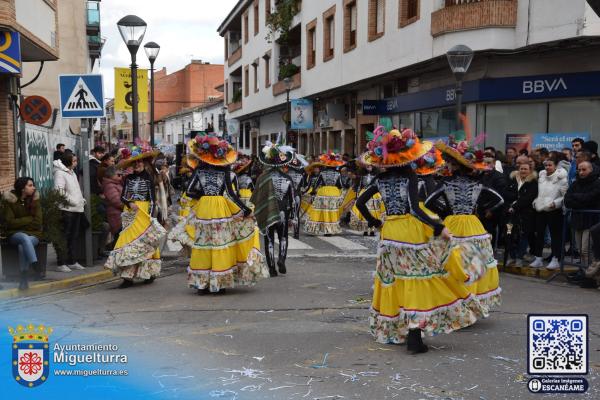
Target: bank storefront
{"type": "Point", "coordinates": [552, 104]}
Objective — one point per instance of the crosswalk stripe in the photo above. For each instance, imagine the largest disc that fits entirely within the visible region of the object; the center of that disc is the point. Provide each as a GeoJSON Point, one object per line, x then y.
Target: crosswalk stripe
{"type": "Point", "coordinates": [341, 243]}
{"type": "Point", "coordinates": [295, 244]}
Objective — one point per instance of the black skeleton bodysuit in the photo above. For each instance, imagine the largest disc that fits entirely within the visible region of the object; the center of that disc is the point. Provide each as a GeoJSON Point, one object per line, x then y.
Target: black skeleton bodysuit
{"type": "Point", "coordinates": [459, 195]}
{"type": "Point", "coordinates": [329, 176]}
{"type": "Point", "coordinates": [399, 193]}
{"type": "Point", "coordinates": [245, 182]}
{"type": "Point", "coordinates": [286, 199]}
{"type": "Point", "coordinates": [139, 186]}
{"type": "Point", "coordinates": [210, 180]}
{"type": "Point", "coordinates": [298, 177]}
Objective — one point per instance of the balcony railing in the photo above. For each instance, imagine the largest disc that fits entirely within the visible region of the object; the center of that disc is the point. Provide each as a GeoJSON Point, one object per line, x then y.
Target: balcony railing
{"type": "Point", "coordinates": [458, 15]}
{"type": "Point", "coordinates": [235, 57]}
{"type": "Point", "coordinates": [279, 87]}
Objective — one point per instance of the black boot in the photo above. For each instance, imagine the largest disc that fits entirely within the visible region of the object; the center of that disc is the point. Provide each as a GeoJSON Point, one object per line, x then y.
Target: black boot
{"type": "Point", "coordinates": [281, 265]}
{"type": "Point", "coordinates": [272, 271]}
{"type": "Point", "coordinates": [23, 283]}
{"type": "Point", "coordinates": [202, 292]}
{"type": "Point", "coordinates": [149, 281]}
{"type": "Point", "coordinates": [414, 343]}
{"type": "Point", "coordinates": [126, 283]}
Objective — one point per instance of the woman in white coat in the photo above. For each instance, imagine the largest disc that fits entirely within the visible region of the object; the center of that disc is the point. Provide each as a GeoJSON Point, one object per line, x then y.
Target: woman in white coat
{"type": "Point", "coordinates": [65, 181]}
{"type": "Point", "coordinates": [552, 186]}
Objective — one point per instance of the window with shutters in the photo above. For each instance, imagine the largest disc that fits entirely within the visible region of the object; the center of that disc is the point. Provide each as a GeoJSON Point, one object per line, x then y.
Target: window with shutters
{"type": "Point", "coordinates": [255, 74]}
{"type": "Point", "coordinates": [376, 19]}
{"type": "Point", "coordinates": [255, 12]}
{"type": "Point", "coordinates": [311, 44]}
{"type": "Point", "coordinates": [350, 25]}
{"type": "Point", "coordinates": [246, 81]}
{"type": "Point", "coordinates": [409, 12]}
{"type": "Point", "coordinates": [246, 28]}
{"type": "Point", "coordinates": [329, 34]}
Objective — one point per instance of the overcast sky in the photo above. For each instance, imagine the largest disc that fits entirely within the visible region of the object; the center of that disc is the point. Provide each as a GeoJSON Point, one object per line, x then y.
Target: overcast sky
{"type": "Point", "coordinates": [184, 29]}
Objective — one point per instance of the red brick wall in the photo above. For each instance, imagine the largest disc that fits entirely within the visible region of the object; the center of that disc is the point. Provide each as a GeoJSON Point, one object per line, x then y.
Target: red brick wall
{"type": "Point", "coordinates": [7, 139]}
{"type": "Point", "coordinates": [186, 88]}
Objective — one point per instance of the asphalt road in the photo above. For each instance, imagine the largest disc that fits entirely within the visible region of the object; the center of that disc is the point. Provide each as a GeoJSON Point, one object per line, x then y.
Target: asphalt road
{"type": "Point", "coordinates": [304, 335]}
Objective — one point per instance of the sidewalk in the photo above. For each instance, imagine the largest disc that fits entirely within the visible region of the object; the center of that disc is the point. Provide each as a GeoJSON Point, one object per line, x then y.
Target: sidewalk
{"type": "Point", "coordinates": [55, 280]}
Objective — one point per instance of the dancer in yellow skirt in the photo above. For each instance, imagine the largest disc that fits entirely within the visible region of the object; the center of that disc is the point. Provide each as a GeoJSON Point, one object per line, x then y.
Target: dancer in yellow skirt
{"type": "Point", "coordinates": [298, 174]}
{"type": "Point", "coordinates": [226, 246]}
{"type": "Point", "coordinates": [244, 180]}
{"type": "Point", "coordinates": [419, 283]}
{"type": "Point", "coordinates": [426, 167]}
{"type": "Point", "coordinates": [357, 221]}
{"type": "Point", "coordinates": [323, 215]}
{"type": "Point", "coordinates": [136, 254]}
{"type": "Point", "coordinates": [308, 188]}
{"type": "Point", "coordinates": [460, 194]}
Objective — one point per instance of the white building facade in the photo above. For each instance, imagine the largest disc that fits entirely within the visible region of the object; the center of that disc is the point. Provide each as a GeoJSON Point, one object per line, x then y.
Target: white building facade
{"type": "Point", "coordinates": [176, 128]}
{"type": "Point", "coordinates": [365, 61]}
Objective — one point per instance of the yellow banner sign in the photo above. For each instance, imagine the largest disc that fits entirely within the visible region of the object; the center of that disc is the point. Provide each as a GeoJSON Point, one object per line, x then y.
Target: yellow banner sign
{"type": "Point", "coordinates": [124, 91]}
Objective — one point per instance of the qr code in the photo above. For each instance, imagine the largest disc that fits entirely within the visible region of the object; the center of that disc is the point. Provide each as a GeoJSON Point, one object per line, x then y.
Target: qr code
{"type": "Point", "coordinates": [557, 344]}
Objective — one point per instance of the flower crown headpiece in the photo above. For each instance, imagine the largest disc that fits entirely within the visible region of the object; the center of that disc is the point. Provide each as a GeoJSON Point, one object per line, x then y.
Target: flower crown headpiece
{"type": "Point", "coordinates": [431, 160]}
{"type": "Point", "coordinates": [394, 141]}
{"type": "Point", "coordinates": [331, 157]}
{"type": "Point", "coordinates": [211, 145]}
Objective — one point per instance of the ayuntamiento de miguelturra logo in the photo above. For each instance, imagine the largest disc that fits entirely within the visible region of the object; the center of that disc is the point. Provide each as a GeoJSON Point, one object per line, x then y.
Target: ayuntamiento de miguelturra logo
{"type": "Point", "coordinates": [30, 354]}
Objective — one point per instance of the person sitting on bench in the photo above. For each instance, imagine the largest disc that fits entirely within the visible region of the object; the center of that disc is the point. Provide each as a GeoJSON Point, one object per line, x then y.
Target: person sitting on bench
{"type": "Point", "coordinates": [22, 215]}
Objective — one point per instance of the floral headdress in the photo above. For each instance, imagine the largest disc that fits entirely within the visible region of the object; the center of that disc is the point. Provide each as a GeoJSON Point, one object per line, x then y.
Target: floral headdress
{"type": "Point", "coordinates": [331, 159]}
{"type": "Point", "coordinates": [212, 150]}
{"type": "Point", "coordinates": [276, 154]}
{"type": "Point", "coordinates": [466, 152]}
{"type": "Point", "coordinates": [394, 149]}
{"type": "Point", "coordinates": [242, 164]}
{"type": "Point", "coordinates": [430, 163]}
{"type": "Point", "coordinates": [132, 153]}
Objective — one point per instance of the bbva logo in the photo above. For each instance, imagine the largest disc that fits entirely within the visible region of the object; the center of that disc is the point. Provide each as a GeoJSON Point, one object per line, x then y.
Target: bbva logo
{"type": "Point", "coordinates": [544, 85]}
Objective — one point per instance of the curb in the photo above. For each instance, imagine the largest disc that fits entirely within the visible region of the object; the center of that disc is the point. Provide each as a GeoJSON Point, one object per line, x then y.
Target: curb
{"type": "Point", "coordinates": [43, 288]}
{"type": "Point", "coordinates": [541, 273]}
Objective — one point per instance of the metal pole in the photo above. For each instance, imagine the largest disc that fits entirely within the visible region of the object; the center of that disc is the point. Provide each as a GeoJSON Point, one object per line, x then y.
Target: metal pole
{"type": "Point", "coordinates": [109, 138]}
{"type": "Point", "coordinates": [85, 149]}
{"type": "Point", "coordinates": [459, 93]}
{"type": "Point", "coordinates": [152, 103]}
{"type": "Point", "coordinates": [134, 106]}
{"type": "Point", "coordinates": [288, 119]}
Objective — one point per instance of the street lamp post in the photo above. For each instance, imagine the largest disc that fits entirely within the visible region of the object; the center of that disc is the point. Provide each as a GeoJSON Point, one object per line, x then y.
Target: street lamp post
{"type": "Point", "coordinates": [288, 86]}
{"type": "Point", "coordinates": [459, 58]}
{"type": "Point", "coordinates": [132, 29]}
{"type": "Point", "coordinates": [152, 50]}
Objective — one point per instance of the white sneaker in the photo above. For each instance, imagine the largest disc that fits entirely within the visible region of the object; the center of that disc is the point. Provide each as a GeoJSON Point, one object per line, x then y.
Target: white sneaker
{"type": "Point", "coordinates": [518, 263]}
{"type": "Point", "coordinates": [537, 263]}
{"type": "Point", "coordinates": [76, 266]}
{"type": "Point", "coordinates": [554, 264]}
{"type": "Point", "coordinates": [63, 268]}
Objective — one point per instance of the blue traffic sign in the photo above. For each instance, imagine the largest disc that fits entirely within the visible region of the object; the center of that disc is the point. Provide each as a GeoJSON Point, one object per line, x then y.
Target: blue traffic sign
{"type": "Point", "coordinates": [10, 52]}
{"type": "Point", "coordinates": [81, 96]}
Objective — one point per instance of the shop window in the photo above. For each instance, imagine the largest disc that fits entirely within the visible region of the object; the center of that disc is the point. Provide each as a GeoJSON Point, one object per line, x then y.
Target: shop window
{"type": "Point", "coordinates": [409, 12]}
{"type": "Point", "coordinates": [575, 116]}
{"type": "Point", "coordinates": [350, 25]}
{"type": "Point", "coordinates": [502, 119]}
{"type": "Point", "coordinates": [247, 141]}
{"type": "Point", "coordinates": [388, 91]}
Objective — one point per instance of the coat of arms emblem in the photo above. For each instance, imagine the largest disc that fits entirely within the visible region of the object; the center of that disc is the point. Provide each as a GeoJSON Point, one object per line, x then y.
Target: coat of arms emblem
{"type": "Point", "coordinates": [30, 354]}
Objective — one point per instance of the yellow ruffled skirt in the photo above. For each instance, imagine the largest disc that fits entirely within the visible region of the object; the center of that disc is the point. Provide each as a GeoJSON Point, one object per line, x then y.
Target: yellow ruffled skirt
{"type": "Point", "coordinates": [245, 195]}
{"type": "Point", "coordinates": [323, 215]}
{"type": "Point", "coordinates": [477, 257]}
{"type": "Point", "coordinates": [375, 206]}
{"type": "Point", "coordinates": [348, 202]}
{"type": "Point", "coordinates": [225, 248]}
{"type": "Point", "coordinates": [419, 284]}
{"type": "Point", "coordinates": [186, 203]}
{"type": "Point", "coordinates": [136, 253]}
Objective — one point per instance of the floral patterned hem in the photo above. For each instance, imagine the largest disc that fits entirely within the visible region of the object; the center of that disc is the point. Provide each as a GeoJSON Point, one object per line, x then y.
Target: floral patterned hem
{"type": "Point", "coordinates": [243, 274]}
{"type": "Point", "coordinates": [138, 251]}
{"type": "Point", "coordinates": [322, 228]}
{"type": "Point", "coordinates": [491, 299]}
{"type": "Point", "coordinates": [145, 270]}
{"type": "Point", "coordinates": [477, 256]}
{"type": "Point", "coordinates": [445, 319]}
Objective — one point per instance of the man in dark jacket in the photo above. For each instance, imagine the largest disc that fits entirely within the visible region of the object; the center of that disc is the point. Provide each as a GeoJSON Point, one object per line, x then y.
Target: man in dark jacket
{"type": "Point", "coordinates": [497, 181]}
{"type": "Point", "coordinates": [520, 193]}
{"type": "Point", "coordinates": [60, 149]}
{"type": "Point", "coordinates": [584, 194]}
{"type": "Point", "coordinates": [96, 155]}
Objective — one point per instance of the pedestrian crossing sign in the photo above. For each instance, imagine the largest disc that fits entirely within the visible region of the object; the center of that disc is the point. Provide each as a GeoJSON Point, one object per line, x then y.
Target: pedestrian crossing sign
{"type": "Point", "coordinates": [81, 96]}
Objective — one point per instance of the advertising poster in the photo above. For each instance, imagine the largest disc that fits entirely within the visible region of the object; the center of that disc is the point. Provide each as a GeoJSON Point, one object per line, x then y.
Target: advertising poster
{"type": "Point", "coordinates": [519, 141]}
{"type": "Point", "coordinates": [302, 114]}
{"type": "Point", "coordinates": [124, 91]}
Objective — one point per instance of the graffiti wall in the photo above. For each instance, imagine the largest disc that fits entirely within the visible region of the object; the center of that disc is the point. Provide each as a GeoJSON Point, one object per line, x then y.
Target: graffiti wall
{"type": "Point", "coordinates": [40, 143]}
